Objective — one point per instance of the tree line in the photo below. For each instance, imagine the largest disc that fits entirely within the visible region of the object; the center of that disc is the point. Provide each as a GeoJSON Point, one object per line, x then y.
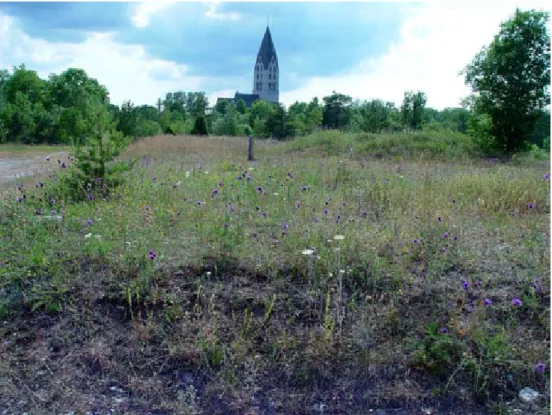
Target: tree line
{"type": "Point", "coordinates": [509, 106]}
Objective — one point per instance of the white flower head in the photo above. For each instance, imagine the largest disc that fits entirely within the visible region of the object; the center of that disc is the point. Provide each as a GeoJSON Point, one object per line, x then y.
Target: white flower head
{"type": "Point", "coordinates": [88, 235]}
{"type": "Point", "coordinates": [308, 252]}
{"type": "Point", "coordinates": [339, 237]}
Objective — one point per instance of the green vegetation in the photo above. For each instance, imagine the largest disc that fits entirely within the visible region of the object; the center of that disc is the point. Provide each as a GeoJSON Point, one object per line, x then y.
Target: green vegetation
{"type": "Point", "coordinates": [384, 263]}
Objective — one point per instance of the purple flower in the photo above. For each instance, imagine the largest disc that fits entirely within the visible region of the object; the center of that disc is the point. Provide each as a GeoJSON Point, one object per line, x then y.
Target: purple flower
{"type": "Point", "coordinates": [415, 241]}
{"type": "Point", "coordinates": [48, 158]}
{"type": "Point", "coordinates": [530, 205]}
{"type": "Point", "coordinates": [63, 166]}
{"type": "Point", "coordinates": [517, 302]}
{"type": "Point", "coordinates": [90, 197]}
{"type": "Point", "coordinates": [239, 177]}
{"type": "Point", "coordinates": [540, 367]}
{"type": "Point", "coordinates": [265, 214]}
{"type": "Point", "coordinates": [20, 187]}
{"type": "Point", "coordinates": [89, 222]}
{"type": "Point", "coordinates": [225, 225]}
{"type": "Point", "coordinates": [303, 188]}
{"type": "Point", "coordinates": [439, 219]}
{"type": "Point", "coordinates": [445, 235]}
{"type": "Point", "coordinates": [232, 208]}
{"type": "Point", "coordinates": [326, 211]}
{"type": "Point", "coordinates": [443, 330]}
{"type": "Point", "coordinates": [297, 205]}
{"type": "Point", "coordinates": [338, 218]}
{"type": "Point", "coordinates": [443, 250]}
{"type": "Point", "coordinates": [221, 184]}
{"type": "Point", "coordinates": [285, 226]}
{"type": "Point", "coordinates": [547, 176]}
{"type": "Point", "coordinates": [344, 204]}
{"type": "Point", "coordinates": [466, 285]}
{"type": "Point", "coordinates": [151, 254]}
{"type": "Point", "coordinates": [290, 175]}
{"type": "Point", "coordinates": [53, 212]}
{"type": "Point", "coordinates": [52, 201]}
{"type": "Point", "coordinates": [199, 202]}
{"type": "Point", "coordinates": [487, 302]}
{"type": "Point", "coordinates": [249, 178]}
{"type": "Point", "coordinates": [20, 199]}
{"type": "Point", "coordinates": [147, 207]}
{"type": "Point", "coordinates": [455, 237]}
{"type": "Point", "coordinates": [214, 193]}
{"type": "Point", "coordinates": [260, 189]}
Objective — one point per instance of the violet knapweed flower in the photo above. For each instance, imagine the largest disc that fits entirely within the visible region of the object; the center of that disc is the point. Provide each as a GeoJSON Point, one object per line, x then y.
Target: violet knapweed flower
{"type": "Point", "coordinates": [221, 184]}
{"type": "Point", "coordinates": [439, 219]}
{"type": "Point", "coordinates": [48, 158]}
{"type": "Point", "coordinates": [63, 166]}
{"type": "Point", "coordinates": [443, 330]}
{"type": "Point", "coordinates": [20, 199]}
{"type": "Point", "coordinates": [90, 197]}
{"type": "Point", "coordinates": [415, 241]}
{"type": "Point", "coordinates": [487, 302]}
{"type": "Point", "coordinates": [20, 187]}
{"type": "Point", "coordinates": [547, 176]}
{"type": "Point", "coordinates": [443, 250]}
{"type": "Point", "coordinates": [147, 207]}
{"type": "Point", "coordinates": [445, 235]}
{"type": "Point", "coordinates": [344, 204]}
{"type": "Point", "coordinates": [265, 214]}
{"type": "Point", "coordinates": [260, 189]}
{"type": "Point", "coordinates": [466, 285]}
{"type": "Point", "coordinates": [232, 208]}
{"type": "Point", "coordinates": [52, 201]}
{"type": "Point", "coordinates": [291, 176]}
{"type": "Point", "coordinates": [530, 205]}
{"type": "Point", "coordinates": [297, 205]}
{"type": "Point", "coordinates": [326, 211]}
{"type": "Point", "coordinates": [151, 254]}
{"type": "Point", "coordinates": [214, 193]}
{"type": "Point", "coordinates": [53, 212]}
{"type": "Point", "coordinates": [285, 226]}
{"type": "Point", "coordinates": [540, 367]}
{"type": "Point", "coordinates": [199, 202]}
{"type": "Point", "coordinates": [337, 219]}
{"type": "Point", "coordinates": [89, 222]}
{"type": "Point", "coordinates": [517, 302]}
{"type": "Point", "coordinates": [455, 237]}
{"type": "Point", "coordinates": [303, 188]}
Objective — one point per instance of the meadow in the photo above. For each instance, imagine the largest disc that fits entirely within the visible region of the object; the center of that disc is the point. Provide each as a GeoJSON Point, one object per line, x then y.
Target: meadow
{"type": "Point", "coordinates": [335, 274]}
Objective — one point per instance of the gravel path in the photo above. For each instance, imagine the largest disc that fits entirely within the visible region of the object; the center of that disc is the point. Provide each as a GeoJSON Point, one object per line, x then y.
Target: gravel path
{"type": "Point", "coordinates": [12, 168]}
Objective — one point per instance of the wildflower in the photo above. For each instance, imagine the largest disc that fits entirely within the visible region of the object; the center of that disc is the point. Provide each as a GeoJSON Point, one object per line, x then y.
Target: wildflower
{"type": "Point", "coordinates": [53, 212]}
{"type": "Point", "coordinates": [443, 250]}
{"type": "Point", "coordinates": [63, 166]}
{"type": "Point", "coordinates": [232, 208]}
{"type": "Point", "coordinates": [20, 187]}
{"type": "Point", "coordinates": [52, 201]}
{"type": "Point", "coordinates": [214, 193]}
{"type": "Point", "coordinates": [547, 176]}
{"type": "Point", "coordinates": [297, 205]}
{"type": "Point", "coordinates": [445, 235]}
{"type": "Point", "coordinates": [90, 197]}
{"type": "Point", "coordinates": [275, 194]}
{"type": "Point", "coordinates": [221, 184]}
{"type": "Point", "coordinates": [326, 211]}
{"type": "Point", "coordinates": [48, 158]}
{"type": "Point", "coordinates": [443, 330]}
{"type": "Point", "coordinates": [455, 237]}
{"type": "Point", "coordinates": [89, 222]}
{"type": "Point", "coordinates": [147, 207]}
{"type": "Point", "coordinates": [249, 178]}
{"type": "Point", "coordinates": [303, 188]}
{"type": "Point", "coordinates": [88, 235]}
{"type": "Point", "coordinates": [265, 214]}
{"type": "Point", "coordinates": [344, 204]}
{"type": "Point", "coordinates": [199, 202]}
{"type": "Point", "coordinates": [260, 189]}
{"type": "Point", "coordinates": [540, 367]}
{"type": "Point", "coordinates": [337, 219]}
{"type": "Point", "coordinates": [339, 237]}
{"type": "Point", "coordinates": [291, 176]}
{"type": "Point", "coordinates": [439, 219]}
{"type": "Point", "coordinates": [151, 254]}
{"type": "Point", "coordinates": [487, 302]}
{"type": "Point", "coordinates": [530, 205]}
{"type": "Point", "coordinates": [308, 252]}
{"type": "Point", "coordinates": [20, 199]}
{"type": "Point", "coordinates": [285, 226]}
{"type": "Point", "coordinates": [517, 302]}
{"type": "Point", "coordinates": [466, 285]}
{"type": "Point", "coordinates": [416, 241]}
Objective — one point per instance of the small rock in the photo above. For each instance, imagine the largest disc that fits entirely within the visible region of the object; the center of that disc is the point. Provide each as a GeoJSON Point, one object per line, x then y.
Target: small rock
{"type": "Point", "coordinates": [528, 395]}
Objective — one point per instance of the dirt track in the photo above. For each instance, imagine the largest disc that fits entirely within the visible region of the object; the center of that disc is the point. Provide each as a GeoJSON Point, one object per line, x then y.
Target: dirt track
{"type": "Point", "coordinates": [12, 168]}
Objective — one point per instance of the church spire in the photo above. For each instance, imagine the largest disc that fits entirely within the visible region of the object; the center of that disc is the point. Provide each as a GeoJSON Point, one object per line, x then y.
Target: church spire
{"type": "Point", "coordinates": [267, 50]}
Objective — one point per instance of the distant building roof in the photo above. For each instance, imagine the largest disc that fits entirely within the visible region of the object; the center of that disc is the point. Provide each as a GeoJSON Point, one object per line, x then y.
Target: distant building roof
{"type": "Point", "coordinates": [249, 99]}
{"type": "Point", "coordinates": [267, 49]}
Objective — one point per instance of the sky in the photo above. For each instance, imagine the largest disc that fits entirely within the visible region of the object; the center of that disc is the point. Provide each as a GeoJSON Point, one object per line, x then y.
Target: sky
{"type": "Point", "coordinates": [368, 50]}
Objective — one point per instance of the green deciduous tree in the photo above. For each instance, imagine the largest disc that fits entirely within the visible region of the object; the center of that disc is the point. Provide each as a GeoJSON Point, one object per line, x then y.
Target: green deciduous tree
{"type": "Point", "coordinates": [511, 77]}
{"type": "Point", "coordinates": [337, 111]}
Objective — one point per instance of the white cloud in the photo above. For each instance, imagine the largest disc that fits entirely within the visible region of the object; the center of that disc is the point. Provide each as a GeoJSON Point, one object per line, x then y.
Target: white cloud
{"type": "Point", "coordinates": [214, 14]}
{"type": "Point", "coordinates": [143, 11]}
{"type": "Point", "coordinates": [437, 41]}
{"type": "Point", "coordinates": [127, 71]}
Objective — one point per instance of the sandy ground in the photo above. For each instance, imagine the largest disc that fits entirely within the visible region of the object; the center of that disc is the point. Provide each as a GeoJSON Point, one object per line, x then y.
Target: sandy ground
{"type": "Point", "coordinates": [12, 168]}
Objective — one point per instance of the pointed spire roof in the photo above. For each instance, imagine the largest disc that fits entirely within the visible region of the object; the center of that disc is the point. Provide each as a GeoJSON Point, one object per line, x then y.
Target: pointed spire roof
{"type": "Point", "coordinates": [267, 50]}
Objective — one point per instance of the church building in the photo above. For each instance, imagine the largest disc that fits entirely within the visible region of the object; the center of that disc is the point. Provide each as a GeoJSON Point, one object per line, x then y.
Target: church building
{"type": "Point", "coordinates": [266, 76]}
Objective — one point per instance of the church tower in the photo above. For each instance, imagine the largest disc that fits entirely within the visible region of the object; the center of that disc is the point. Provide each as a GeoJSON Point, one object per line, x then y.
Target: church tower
{"type": "Point", "coordinates": [266, 75]}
